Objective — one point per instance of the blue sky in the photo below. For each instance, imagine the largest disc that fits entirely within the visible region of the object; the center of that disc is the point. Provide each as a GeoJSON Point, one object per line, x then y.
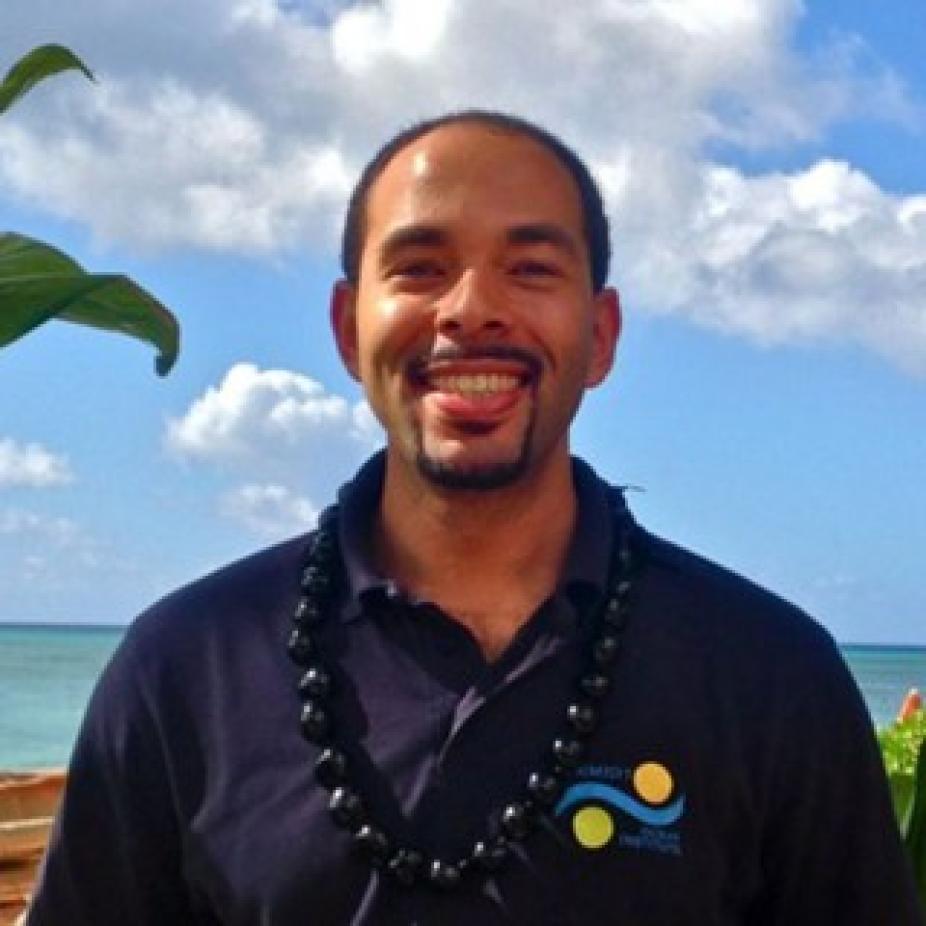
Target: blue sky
{"type": "Point", "coordinates": [762, 165]}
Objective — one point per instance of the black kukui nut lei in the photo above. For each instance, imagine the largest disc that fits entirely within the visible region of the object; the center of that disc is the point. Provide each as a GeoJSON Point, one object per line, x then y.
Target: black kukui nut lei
{"type": "Point", "coordinates": [517, 818]}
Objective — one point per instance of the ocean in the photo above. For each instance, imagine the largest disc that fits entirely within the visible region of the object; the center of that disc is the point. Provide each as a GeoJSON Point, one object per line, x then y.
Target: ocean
{"type": "Point", "coordinates": [47, 674]}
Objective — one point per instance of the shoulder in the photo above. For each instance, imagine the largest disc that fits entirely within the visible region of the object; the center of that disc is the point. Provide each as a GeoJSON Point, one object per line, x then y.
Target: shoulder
{"type": "Point", "coordinates": [240, 613]}
{"type": "Point", "coordinates": [718, 633]}
{"type": "Point", "coordinates": [721, 602]}
{"type": "Point", "coordinates": [247, 589]}
{"type": "Point", "coordinates": [699, 607]}
{"type": "Point", "coordinates": [756, 675]}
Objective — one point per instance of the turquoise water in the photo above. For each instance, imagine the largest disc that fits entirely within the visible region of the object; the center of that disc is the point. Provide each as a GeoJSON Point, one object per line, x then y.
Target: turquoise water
{"type": "Point", "coordinates": [46, 676]}
{"type": "Point", "coordinates": [885, 674]}
{"type": "Point", "coordinates": [47, 673]}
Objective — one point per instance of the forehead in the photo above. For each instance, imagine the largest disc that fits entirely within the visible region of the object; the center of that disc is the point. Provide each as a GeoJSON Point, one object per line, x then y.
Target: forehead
{"type": "Point", "coordinates": [472, 178]}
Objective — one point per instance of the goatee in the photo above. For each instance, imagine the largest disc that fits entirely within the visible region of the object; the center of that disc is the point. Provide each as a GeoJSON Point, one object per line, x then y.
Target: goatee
{"type": "Point", "coordinates": [476, 478]}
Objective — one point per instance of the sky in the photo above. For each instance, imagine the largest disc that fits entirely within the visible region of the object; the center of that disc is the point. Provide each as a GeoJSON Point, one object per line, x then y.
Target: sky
{"type": "Point", "coordinates": [762, 168]}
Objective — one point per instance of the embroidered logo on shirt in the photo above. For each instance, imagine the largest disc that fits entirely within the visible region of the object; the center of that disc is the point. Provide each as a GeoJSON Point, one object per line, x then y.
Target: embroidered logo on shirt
{"type": "Point", "coordinates": [634, 808]}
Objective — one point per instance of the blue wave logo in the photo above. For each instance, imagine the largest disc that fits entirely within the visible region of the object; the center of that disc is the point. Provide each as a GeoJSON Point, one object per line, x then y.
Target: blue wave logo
{"type": "Point", "coordinates": [586, 791]}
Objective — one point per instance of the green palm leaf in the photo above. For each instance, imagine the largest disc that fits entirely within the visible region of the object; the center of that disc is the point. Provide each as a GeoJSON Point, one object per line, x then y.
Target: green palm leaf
{"type": "Point", "coordinates": [916, 829]}
{"type": "Point", "coordinates": [39, 282]}
{"type": "Point", "coordinates": [38, 64]}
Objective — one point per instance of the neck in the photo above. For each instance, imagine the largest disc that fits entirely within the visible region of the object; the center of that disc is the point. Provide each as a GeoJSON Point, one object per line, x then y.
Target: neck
{"type": "Point", "coordinates": [488, 558]}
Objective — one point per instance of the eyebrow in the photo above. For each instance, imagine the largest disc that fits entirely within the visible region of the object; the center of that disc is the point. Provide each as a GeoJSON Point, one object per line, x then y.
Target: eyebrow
{"type": "Point", "coordinates": [544, 233]}
{"type": "Point", "coordinates": [412, 236]}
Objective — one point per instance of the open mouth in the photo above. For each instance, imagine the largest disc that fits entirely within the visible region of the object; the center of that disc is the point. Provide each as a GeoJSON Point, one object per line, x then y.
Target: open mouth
{"type": "Point", "coordinates": [475, 385]}
{"type": "Point", "coordinates": [470, 387]}
{"type": "Point", "coordinates": [489, 372]}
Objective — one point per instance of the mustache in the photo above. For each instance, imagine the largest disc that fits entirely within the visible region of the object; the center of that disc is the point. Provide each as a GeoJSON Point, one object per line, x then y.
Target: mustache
{"type": "Point", "coordinates": [417, 365]}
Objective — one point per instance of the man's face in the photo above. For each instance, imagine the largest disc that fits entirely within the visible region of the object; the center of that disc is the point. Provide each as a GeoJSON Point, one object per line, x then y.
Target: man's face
{"type": "Point", "coordinates": [473, 327]}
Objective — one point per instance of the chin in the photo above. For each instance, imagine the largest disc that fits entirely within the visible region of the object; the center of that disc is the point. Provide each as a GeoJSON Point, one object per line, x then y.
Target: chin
{"type": "Point", "coordinates": [480, 477]}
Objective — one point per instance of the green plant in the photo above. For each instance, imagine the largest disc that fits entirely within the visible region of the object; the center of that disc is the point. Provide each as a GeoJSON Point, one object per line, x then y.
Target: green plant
{"type": "Point", "coordinates": [35, 66]}
{"type": "Point", "coordinates": [38, 282]}
{"type": "Point", "coordinates": [903, 746]}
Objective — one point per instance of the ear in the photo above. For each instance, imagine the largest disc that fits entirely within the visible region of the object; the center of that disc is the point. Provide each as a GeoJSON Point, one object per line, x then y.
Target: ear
{"type": "Point", "coordinates": [344, 325]}
{"type": "Point", "coordinates": [606, 329]}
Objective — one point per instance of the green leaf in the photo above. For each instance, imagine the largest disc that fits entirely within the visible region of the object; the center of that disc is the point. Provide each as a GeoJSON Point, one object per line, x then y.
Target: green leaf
{"type": "Point", "coordinates": [902, 799]}
{"type": "Point", "coordinates": [900, 743]}
{"type": "Point", "coordinates": [35, 66]}
{"type": "Point", "coordinates": [903, 746]}
{"type": "Point", "coordinates": [39, 282]}
{"type": "Point", "coordinates": [916, 830]}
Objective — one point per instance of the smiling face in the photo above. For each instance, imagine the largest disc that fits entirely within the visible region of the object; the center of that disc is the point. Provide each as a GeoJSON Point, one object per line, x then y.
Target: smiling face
{"type": "Point", "coordinates": [473, 326]}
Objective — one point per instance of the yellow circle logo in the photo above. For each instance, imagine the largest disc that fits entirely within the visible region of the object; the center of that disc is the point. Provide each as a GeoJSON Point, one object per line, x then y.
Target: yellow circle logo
{"type": "Point", "coordinates": [593, 827]}
{"type": "Point", "coordinates": [653, 782]}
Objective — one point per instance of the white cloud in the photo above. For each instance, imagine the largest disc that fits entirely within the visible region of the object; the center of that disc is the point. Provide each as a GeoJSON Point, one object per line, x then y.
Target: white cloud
{"type": "Point", "coordinates": [362, 37]}
{"type": "Point", "coordinates": [292, 439]}
{"type": "Point", "coordinates": [818, 254]}
{"type": "Point", "coordinates": [255, 412]}
{"type": "Point", "coordinates": [270, 511]}
{"type": "Point", "coordinates": [199, 167]}
{"type": "Point", "coordinates": [278, 428]}
{"type": "Point", "coordinates": [251, 143]}
{"type": "Point", "coordinates": [31, 465]}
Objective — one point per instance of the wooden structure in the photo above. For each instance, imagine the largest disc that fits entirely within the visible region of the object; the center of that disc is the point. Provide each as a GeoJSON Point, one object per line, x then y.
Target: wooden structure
{"type": "Point", "coordinates": [27, 806]}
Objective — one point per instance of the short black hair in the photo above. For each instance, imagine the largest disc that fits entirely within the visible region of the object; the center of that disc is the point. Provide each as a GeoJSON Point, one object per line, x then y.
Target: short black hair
{"type": "Point", "coordinates": [595, 222]}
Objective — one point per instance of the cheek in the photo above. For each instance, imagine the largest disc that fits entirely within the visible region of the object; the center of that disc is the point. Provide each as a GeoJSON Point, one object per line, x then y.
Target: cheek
{"type": "Point", "coordinates": [571, 344]}
{"type": "Point", "coordinates": [389, 333]}
{"type": "Point", "coordinates": [394, 325]}
{"type": "Point", "coordinates": [578, 367]}
{"type": "Point", "coordinates": [389, 310]}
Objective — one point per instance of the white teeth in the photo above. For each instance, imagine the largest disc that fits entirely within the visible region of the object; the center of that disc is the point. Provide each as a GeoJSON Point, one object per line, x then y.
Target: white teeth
{"type": "Point", "coordinates": [475, 384]}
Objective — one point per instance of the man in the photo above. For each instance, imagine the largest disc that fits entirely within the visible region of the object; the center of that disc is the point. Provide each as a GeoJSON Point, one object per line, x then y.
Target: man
{"type": "Point", "coordinates": [480, 693]}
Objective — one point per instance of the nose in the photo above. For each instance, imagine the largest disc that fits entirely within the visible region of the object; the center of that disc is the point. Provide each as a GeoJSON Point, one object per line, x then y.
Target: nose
{"type": "Point", "coordinates": [470, 308]}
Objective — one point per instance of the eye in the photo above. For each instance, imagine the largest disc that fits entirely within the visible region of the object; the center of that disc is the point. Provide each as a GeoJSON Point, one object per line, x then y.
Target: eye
{"type": "Point", "coordinates": [417, 270]}
{"type": "Point", "coordinates": [534, 268]}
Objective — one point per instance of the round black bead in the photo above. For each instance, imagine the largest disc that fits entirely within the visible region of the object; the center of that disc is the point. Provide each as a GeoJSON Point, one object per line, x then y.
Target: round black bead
{"type": "Point", "coordinates": [346, 808]}
{"type": "Point", "coordinates": [490, 855]}
{"type": "Point", "coordinates": [316, 682]}
{"type": "Point", "coordinates": [308, 612]}
{"type": "Point", "coordinates": [582, 718]}
{"type": "Point", "coordinates": [615, 614]}
{"type": "Point", "coordinates": [568, 751]}
{"type": "Point", "coordinates": [373, 844]}
{"type": "Point", "coordinates": [315, 580]}
{"type": "Point", "coordinates": [624, 556]}
{"type": "Point", "coordinates": [544, 788]}
{"type": "Point", "coordinates": [331, 768]}
{"type": "Point", "coordinates": [321, 545]}
{"type": "Point", "coordinates": [444, 875]}
{"type": "Point", "coordinates": [605, 649]}
{"type": "Point", "coordinates": [516, 820]}
{"type": "Point", "coordinates": [315, 722]}
{"type": "Point", "coordinates": [322, 574]}
{"type": "Point", "coordinates": [405, 866]}
{"type": "Point", "coordinates": [616, 621]}
{"type": "Point", "coordinates": [595, 685]}
{"type": "Point", "coordinates": [301, 648]}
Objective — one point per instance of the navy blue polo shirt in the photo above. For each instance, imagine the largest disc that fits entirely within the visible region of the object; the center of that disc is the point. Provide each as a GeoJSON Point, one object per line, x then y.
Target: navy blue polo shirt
{"type": "Point", "coordinates": [734, 778]}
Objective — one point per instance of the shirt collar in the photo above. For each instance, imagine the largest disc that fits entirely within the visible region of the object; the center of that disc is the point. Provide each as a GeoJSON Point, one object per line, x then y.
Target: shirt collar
{"type": "Point", "coordinates": [584, 575]}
